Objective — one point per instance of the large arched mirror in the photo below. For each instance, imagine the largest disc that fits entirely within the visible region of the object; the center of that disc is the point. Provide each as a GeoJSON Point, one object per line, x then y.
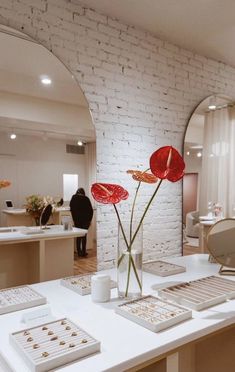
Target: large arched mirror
{"type": "Point", "coordinates": [208, 185]}
{"type": "Point", "coordinates": [47, 145]}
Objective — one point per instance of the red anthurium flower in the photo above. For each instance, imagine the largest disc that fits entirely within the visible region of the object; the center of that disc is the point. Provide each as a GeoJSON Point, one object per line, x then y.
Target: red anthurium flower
{"type": "Point", "coordinates": [108, 193]}
{"type": "Point", "coordinates": [142, 176]}
{"type": "Point", "coordinates": [167, 163]}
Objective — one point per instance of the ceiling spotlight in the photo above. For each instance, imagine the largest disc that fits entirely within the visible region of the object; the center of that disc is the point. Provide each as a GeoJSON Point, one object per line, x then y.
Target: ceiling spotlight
{"type": "Point", "coordinates": [45, 80]}
{"type": "Point", "coordinates": [212, 103]}
{"type": "Point", "coordinates": [80, 143]}
{"type": "Point", "coordinates": [199, 154]}
{"type": "Point", "coordinates": [12, 136]}
{"type": "Point", "coordinates": [188, 153]}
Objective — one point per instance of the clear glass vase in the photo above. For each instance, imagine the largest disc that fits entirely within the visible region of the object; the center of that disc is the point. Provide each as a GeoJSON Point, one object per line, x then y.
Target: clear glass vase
{"type": "Point", "coordinates": [129, 261]}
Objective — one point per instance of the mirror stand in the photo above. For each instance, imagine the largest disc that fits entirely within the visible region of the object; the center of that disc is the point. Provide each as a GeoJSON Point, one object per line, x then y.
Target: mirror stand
{"type": "Point", "coordinates": [224, 270]}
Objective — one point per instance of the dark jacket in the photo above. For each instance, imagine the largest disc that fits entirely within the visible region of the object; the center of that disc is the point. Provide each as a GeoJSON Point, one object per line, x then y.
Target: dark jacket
{"type": "Point", "coordinates": [81, 210]}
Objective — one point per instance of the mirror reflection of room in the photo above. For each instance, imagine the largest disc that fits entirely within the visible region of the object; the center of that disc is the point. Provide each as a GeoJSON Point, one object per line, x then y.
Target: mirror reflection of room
{"type": "Point", "coordinates": [208, 185]}
{"type": "Point", "coordinates": [48, 152]}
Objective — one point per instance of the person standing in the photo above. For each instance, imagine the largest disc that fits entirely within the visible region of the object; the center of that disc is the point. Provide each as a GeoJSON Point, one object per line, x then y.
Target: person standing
{"type": "Point", "coordinates": [82, 213]}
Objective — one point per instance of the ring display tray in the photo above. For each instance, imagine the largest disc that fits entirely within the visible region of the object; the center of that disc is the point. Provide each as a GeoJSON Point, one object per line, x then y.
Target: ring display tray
{"type": "Point", "coordinates": [162, 268]}
{"type": "Point", "coordinates": [53, 344]}
{"type": "Point", "coordinates": [153, 313]}
{"type": "Point", "coordinates": [202, 293]}
{"type": "Point", "coordinates": [81, 283]}
{"type": "Point", "coordinates": [19, 298]}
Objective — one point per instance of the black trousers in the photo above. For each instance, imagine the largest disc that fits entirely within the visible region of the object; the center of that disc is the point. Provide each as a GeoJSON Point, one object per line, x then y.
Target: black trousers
{"type": "Point", "coordinates": [81, 246]}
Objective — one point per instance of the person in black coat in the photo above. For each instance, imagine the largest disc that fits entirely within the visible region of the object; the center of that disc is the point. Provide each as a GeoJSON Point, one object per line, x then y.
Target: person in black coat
{"type": "Point", "coordinates": [82, 213]}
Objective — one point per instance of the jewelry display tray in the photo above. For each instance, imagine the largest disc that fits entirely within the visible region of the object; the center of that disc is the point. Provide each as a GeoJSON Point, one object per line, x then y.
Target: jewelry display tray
{"type": "Point", "coordinates": [81, 283]}
{"type": "Point", "coordinates": [153, 313]}
{"type": "Point", "coordinates": [200, 294]}
{"type": "Point", "coordinates": [162, 268]}
{"type": "Point", "coordinates": [55, 353]}
{"type": "Point", "coordinates": [19, 298]}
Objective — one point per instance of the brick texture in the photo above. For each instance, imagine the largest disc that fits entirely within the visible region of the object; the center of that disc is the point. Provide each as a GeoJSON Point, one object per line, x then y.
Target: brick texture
{"type": "Point", "coordinates": [141, 92]}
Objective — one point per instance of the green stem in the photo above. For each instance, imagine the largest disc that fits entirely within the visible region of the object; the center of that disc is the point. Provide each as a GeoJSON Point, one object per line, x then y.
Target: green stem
{"type": "Point", "coordinates": [133, 208]}
{"type": "Point", "coordinates": [136, 274]}
{"type": "Point", "coordinates": [128, 275]}
{"type": "Point", "coordinates": [146, 210]}
{"type": "Point", "coordinates": [120, 223]}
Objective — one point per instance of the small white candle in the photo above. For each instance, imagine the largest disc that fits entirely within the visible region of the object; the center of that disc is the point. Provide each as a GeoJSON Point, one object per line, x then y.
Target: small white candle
{"type": "Point", "coordinates": [100, 288]}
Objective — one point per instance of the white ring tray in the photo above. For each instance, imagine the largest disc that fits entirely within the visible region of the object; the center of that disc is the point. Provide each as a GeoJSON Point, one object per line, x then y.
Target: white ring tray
{"type": "Point", "coordinates": [57, 343]}
{"type": "Point", "coordinates": [81, 283]}
{"type": "Point", "coordinates": [153, 313]}
{"type": "Point", "coordinates": [19, 298]}
{"type": "Point", "coordinates": [162, 268]}
{"type": "Point", "coordinates": [202, 293]}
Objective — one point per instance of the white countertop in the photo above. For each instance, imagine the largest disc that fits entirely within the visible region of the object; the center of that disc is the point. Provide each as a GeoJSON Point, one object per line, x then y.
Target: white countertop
{"type": "Point", "coordinates": [19, 211]}
{"type": "Point", "coordinates": [124, 344]}
{"type": "Point", "coordinates": [22, 233]}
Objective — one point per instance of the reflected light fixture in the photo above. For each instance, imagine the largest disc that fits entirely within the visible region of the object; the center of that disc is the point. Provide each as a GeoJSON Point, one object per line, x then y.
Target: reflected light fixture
{"type": "Point", "coordinates": [188, 153]}
{"type": "Point", "coordinates": [212, 103]}
{"type": "Point", "coordinates": [199, 154]}
{"type": "Point", "coordinates": [45, 80]}
{"type": "Point", "coordinates": [12, 136]}
{"type": "Point", "coordinates": [80, 143]}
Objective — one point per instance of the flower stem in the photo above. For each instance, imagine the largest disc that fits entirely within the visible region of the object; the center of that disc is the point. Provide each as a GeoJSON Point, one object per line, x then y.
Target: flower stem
{"type": "Point", "coordinates": [146, 210]}
{"type": "Point", "coordinates": [128, 274]}
{"type": "Point", "coordinates": [120, 223]}
{"type": "Point", "coordinates": [132, 210]}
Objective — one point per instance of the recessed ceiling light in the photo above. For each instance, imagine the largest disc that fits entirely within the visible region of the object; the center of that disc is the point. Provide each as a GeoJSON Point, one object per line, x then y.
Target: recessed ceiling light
{"type": "Point", "coordinates": [212, 103]}
{"type": "Point", "coordinates": [45, 80]}
{"type": "Point", "coordinates": [80, 143]}
{"type": "Point", "coordinates": [12, 136]}
{"type": "Point", "coordinates": [199, 154]}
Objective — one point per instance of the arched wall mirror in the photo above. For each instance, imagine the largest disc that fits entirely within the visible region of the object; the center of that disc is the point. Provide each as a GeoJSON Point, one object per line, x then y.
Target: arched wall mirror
{"type": "Point", "coordinates": [208, 185]}
{"type": "Point", "coordinates": [43, 116]}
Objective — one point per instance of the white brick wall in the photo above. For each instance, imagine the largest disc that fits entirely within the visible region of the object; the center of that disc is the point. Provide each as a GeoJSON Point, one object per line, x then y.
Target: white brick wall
{"type": "Point", "coordinates": [141, 92]}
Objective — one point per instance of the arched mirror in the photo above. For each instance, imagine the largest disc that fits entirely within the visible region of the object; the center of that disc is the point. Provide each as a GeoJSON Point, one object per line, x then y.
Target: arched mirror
{"type": "Point", "coordinates": [208, 185]}
{"type": "Point", "coordinates": [47, 152]}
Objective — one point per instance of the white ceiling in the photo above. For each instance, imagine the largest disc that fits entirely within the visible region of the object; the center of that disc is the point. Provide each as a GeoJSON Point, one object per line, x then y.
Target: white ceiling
{"type": "Point", "coordinates": [30, 108]}
{"type": "Point", "coordinates": [206, 27]}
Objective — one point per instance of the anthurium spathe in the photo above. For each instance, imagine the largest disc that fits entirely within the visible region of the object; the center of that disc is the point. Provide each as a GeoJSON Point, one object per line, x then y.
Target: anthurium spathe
{"type": "Point", "coordinates": [142, 176]}
{"type": "Point", "coordinates": [108, 193]}
{"type": "Point", "coordinates": [167, 163]}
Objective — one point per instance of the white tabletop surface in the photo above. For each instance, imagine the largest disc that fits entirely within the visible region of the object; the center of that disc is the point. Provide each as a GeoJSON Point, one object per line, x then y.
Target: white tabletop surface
{"type": "Point", "coordinates": [17, 233]}
{"type": "Point", "coordinates": [16, 211]}
{"type": "Point", "coordinates": [124, 344]}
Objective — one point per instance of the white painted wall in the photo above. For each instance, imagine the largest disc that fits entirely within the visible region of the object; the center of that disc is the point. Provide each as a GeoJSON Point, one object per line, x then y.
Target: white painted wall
{"type": "Point", "coordinates": [141, 91]}
{"type": "Point", "coordinates": [35, 166]}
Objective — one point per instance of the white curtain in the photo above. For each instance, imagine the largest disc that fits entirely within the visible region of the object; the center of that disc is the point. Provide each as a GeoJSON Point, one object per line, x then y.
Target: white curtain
{"type": "Point", "coordinates": [218, 174]}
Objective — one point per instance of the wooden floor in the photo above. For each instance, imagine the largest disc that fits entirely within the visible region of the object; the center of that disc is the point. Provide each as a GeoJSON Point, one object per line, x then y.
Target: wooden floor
{"type": "Point", "coordinates": [188, 250]}
{"type": "Point", "coordinates": [84, 265]}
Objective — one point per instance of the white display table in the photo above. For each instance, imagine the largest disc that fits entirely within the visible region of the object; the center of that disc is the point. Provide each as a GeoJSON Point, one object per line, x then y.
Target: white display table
{"type": "Point", "coordinates": [126, 345]}
{"type": "Point", "coordinates": [30, 258]}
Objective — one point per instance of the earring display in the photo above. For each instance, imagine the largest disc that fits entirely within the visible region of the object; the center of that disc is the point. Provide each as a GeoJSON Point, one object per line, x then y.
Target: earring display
{"type": "Point", "coordinates": [202, 293]}
{"type": "Point", "coordinates": [19, 298]}
{"type": "Point", "coordinates": [153, 313]}
{"type": "Point", "coordinates": [81, 283]}
{"type": "Point", "coordinates": [162, 268]}
{"type": "Point", "coordinates": [53, 344]}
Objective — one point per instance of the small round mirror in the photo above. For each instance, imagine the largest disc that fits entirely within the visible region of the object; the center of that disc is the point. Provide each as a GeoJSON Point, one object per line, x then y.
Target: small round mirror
{"type": "Point", "coordinates": [221, 242]}
{"type": "Point", "coordinates": [46, 214]}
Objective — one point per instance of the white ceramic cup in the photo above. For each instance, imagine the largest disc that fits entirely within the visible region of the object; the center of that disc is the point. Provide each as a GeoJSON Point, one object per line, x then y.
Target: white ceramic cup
{"type": "Point", "coordinates": [100, 288]}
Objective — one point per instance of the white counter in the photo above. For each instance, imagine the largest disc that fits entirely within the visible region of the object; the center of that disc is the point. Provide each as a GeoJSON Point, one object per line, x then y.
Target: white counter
{"type": "Point", "coordinates": [29, 257]}
{"type": "Point", "coordinates": [124, 344]}
{"type": "Point", "coordinates": [22, 233]}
